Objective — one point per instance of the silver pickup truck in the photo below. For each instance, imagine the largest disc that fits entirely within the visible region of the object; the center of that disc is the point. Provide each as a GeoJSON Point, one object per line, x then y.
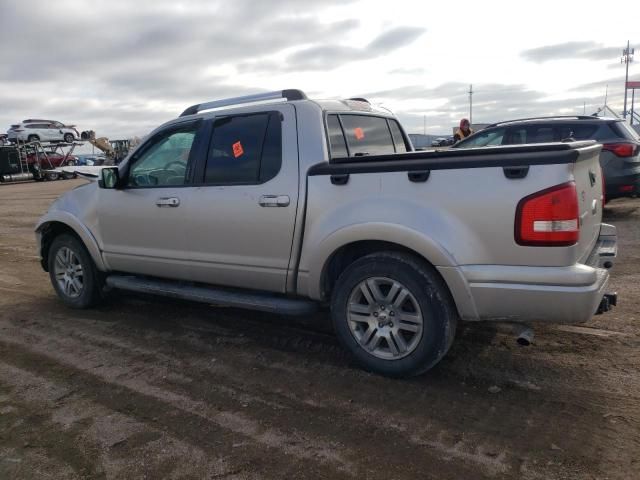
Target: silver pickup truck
{"type": "Point", "coordinates": [279, 203]}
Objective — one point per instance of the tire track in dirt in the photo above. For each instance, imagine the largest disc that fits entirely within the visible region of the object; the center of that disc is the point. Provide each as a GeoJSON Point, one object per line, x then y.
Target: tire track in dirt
{"type": "Point", "coordinates": [303, 420]}
{"type": "Point", "coordinates": [485, 451]}
{"type": "Point", "coordinates": [194, 422]}
{"type": "Point", "coordinates": [98, 442]}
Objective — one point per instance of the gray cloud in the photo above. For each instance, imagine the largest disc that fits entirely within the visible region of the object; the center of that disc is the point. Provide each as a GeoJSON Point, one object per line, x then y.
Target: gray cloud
{"type": "Point", "coordinates": [331, 56]}
{"type": "Point", "coordinates": [408, 71]}
{"type": "Point", "coordinates": [95, 64]}
{"type": "Point", "coordinates": [571, 50]}
{"type": "Point", "coordinates": [492, 102]}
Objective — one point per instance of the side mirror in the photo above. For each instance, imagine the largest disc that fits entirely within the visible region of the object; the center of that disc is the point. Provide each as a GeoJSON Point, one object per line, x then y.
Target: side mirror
{"type": "Point", "coordinates": [109, 177]}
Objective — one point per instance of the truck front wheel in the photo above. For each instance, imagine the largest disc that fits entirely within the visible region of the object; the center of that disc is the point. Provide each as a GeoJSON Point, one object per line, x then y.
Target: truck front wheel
{"type": "Point", "coordinates": [74, 276]}
{"type": "Point", "coordinates": [393, 312]}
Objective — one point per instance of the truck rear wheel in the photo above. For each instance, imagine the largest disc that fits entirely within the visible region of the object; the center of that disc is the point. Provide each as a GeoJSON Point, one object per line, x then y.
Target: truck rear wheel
{"type": "Point", "coordinates": [394, 313]}
{"type": "Point", "coordinates": [73, 274]}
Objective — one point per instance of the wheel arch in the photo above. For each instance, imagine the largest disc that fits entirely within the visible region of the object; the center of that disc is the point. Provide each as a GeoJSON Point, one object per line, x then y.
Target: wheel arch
{"type": "Point", "coordinates": [52, 226]}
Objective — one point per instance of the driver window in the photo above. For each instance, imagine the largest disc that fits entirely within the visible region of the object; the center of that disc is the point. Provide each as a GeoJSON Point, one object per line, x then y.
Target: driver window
{"type": "Point", "coordinates": [164, 161]}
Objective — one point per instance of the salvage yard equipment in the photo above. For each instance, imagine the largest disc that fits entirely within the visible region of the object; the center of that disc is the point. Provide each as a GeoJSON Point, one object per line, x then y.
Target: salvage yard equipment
{"type": "Point", "coordinates": [36, 161]}
{"type": "Point", "coordinates": [115, 150]}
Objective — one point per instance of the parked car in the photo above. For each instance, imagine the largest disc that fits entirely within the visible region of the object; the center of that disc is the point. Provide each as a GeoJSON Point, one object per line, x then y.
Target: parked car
{"type": "Point", "coordinates": [33, 130]}
{"type": "Point", "coordinates": [291, 203]}
{"type": "Point", "coordinates": [91, 159]}
{"type": "Point", "coordinates": [620, 157]}
{"type": "Point", "coordinates": [442, 142]}
{"type": "Point", "coordinates": [51, 160]}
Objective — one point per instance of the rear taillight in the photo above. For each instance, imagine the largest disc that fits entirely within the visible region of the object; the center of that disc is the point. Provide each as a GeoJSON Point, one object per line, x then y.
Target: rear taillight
{"type": "Point", "coordinates": [621, 149]}
{"type": "Point", "coordinates": [549, 218]}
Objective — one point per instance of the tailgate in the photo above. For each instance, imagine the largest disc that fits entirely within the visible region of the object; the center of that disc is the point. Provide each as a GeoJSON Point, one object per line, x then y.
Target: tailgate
{"type": "Point", "coordinates": [588, 177]}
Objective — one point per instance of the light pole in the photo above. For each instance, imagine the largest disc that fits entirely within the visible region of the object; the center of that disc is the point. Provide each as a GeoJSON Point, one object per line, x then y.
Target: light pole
{"type": "Point", "coordinates": [470, 92]}
{"type": "Point", "coordinates": [627, 58]}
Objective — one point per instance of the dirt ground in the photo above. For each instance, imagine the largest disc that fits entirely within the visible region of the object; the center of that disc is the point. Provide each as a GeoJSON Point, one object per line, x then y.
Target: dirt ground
{"type": "Point", "coordinates": [149, 388]}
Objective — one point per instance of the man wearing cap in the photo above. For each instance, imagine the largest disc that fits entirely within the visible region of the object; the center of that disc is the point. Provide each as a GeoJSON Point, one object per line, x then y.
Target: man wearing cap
{"type": "Point", "coordinates": [463, 132]}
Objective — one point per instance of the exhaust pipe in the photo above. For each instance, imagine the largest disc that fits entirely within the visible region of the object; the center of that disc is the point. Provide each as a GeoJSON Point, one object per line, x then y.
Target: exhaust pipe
{"type": "Point", "coordinates": [524, 336]}
{"type": "Point", "coordinates": [608, 300]}
{"type": "Point", "coordinates": [522, 331]}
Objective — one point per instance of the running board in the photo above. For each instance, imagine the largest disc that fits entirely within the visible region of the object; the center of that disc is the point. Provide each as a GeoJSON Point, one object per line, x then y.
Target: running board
{"type": "Point", "coordinates": [218, 296]}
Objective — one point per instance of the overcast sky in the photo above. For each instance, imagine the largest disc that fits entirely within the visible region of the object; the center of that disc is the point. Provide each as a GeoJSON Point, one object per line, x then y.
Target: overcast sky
{"type": "Point", "coordinates": [123, 67]}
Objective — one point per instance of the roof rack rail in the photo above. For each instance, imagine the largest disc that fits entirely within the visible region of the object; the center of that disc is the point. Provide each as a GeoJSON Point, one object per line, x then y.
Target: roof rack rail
{"type": "Point", "coordinates": [359, 99]}
{"type": "Point", "coordinates": [288, 95]}
{"type": "Point", "coordinates": [549, 117]}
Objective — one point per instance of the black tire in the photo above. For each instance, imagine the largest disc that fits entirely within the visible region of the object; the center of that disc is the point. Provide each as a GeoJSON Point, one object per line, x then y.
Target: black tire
{"type": "Point", "coordinates": [33, 138]}
{"type": "Point", "coordinates": [427, 289]}
{"type": "Point", "coordinates": [92, 280]}
{"type": "Point", "coordinates": [68, 137]}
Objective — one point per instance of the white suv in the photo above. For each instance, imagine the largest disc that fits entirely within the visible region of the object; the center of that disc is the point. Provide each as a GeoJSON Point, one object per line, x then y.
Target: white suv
{"type": "Point", "coordinates": [32, 130]}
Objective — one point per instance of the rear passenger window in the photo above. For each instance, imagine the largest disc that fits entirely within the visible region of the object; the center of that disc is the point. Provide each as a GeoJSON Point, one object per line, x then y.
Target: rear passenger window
{"type": "Point", "coordinates": [398, 138]}
{"type": "Point", "coordinates": [367, 135]}
{"type": "Point", "coordinates": [540, 135]}
{"type": "Point", "coordinates": [245, 149]}
{"type": "Point", "coordinates": [578, 132]}
{"type": "Point", "coordinates": [336, 138]}
{"type": "Point", "coordinates": [518, 136]}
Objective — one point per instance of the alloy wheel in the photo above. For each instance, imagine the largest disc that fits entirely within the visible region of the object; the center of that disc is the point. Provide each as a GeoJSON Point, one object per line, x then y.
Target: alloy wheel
{"type": "Point", "coordinates": [69, 272]}
{"type": "Point", "coordinates": [385, 318]}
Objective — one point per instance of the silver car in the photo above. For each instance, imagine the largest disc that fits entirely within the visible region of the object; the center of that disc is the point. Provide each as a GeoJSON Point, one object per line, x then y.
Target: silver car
{"type": "Point", "coordinates": [32, 130]}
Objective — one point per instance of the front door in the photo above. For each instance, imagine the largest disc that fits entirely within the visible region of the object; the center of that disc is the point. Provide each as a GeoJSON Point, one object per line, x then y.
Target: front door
{"type": "Point", "coordinates": [243, 213]}
{"type": "Point", "coordinates": [143, 225]}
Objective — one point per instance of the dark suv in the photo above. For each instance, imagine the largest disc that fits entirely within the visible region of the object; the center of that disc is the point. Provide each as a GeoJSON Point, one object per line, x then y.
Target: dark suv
{"type": "Point", "coordinates": [620, 157]}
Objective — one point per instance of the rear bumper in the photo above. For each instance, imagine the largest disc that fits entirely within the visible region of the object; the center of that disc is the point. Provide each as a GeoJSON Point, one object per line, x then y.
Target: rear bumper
{"type": "Point", "coordinates": [624, 185]}
{"type": "Point", "coordinates": [527, 294]}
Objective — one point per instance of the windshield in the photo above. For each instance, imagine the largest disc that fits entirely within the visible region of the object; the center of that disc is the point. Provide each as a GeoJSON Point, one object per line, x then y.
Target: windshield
{"type": "Point", "coordinates": [483, 138]}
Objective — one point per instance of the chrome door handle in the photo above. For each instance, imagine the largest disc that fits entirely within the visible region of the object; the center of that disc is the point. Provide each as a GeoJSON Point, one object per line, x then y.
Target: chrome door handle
{"type": "Point", "coordinates": [168, 202]}
{"type": "Point", "coordinates": [274, 201]}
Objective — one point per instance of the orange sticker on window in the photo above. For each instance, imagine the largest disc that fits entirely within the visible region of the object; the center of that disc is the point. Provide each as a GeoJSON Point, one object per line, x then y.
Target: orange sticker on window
{"type": "Point", "coordinates": [358, 133]}
{"type": "Point", "coordinates": [237, 149]}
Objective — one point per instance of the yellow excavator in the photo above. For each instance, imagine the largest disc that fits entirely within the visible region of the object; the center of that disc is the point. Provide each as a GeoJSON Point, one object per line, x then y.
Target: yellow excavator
{"type": "Point", "coordinates": [115, 150]}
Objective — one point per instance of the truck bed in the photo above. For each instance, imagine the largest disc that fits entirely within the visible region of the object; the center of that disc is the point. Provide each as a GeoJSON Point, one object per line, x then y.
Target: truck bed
{"type": "Point", "coordinates": [456, 208]}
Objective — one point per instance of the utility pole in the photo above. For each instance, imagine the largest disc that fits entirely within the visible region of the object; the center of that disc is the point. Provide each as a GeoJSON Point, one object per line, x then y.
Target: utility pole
{"type": "Point", "coordinates": [627, 58]}
{"type": "Point", "coordinates": [470, 92]}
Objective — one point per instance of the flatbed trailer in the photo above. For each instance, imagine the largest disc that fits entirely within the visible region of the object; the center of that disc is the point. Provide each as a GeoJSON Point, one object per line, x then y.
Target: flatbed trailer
{"type": "Point", "coordinates": [21, 162]}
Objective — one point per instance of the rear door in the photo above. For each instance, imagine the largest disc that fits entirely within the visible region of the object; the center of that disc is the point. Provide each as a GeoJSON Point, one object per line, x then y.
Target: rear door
{"type": "Point", "coordinates": [243, 213]}
{"type": "Point", "coordinates": [48, 132]}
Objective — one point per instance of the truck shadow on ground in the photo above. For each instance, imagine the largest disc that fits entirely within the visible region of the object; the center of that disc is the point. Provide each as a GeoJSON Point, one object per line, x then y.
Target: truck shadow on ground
{"type": "Point", "coordinates": [481, 354]}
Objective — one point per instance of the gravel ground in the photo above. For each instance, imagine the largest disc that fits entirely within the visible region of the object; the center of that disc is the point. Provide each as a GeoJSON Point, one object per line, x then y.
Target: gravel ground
{"type": "Point", "coordinates": [144, 387]}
